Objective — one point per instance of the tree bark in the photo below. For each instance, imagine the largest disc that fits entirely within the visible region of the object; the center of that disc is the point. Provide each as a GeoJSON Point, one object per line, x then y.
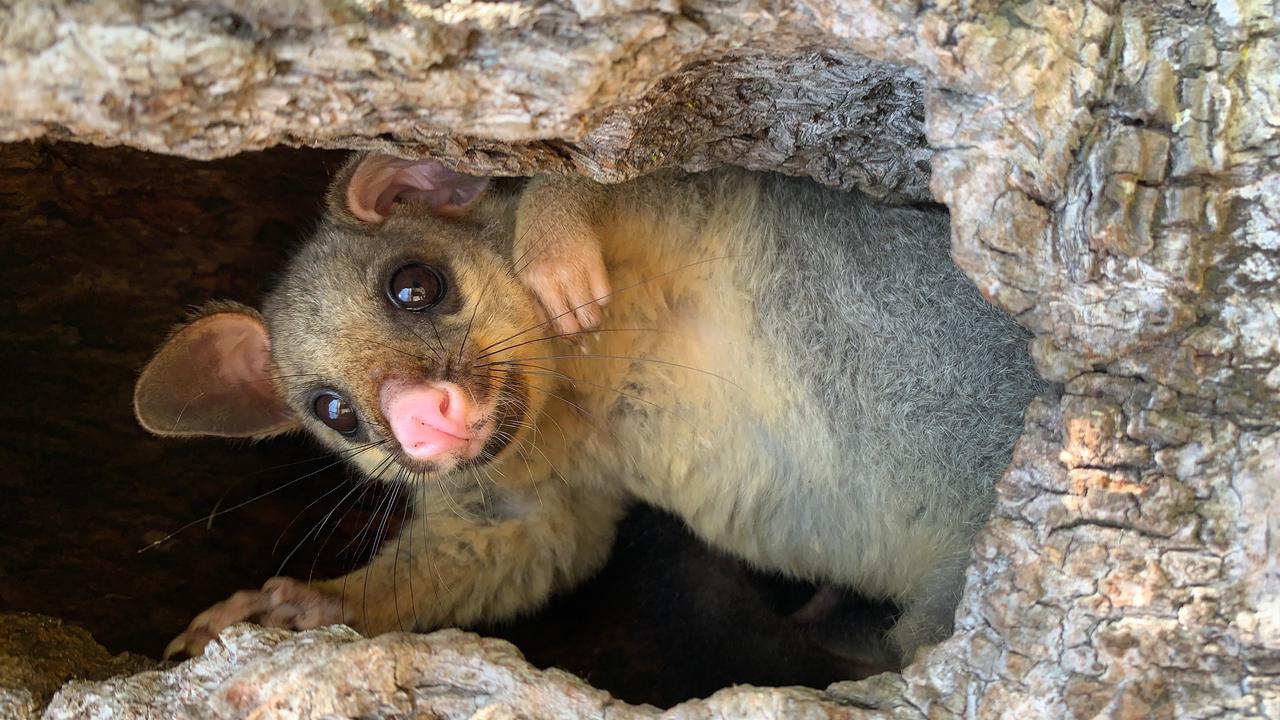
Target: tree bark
{"type": "Point", "coordinates": [1113, 175]}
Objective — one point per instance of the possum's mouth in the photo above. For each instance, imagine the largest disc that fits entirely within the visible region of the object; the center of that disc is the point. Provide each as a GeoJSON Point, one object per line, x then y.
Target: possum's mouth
{"type": "Point", "coordinates": [436, 447]}
{"type": "Point", "coordinates": [511, 406]}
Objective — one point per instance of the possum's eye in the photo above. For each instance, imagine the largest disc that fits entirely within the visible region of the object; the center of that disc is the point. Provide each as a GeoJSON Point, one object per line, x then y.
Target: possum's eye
{"type": "Point", "coordinates": [416, 287]}
{"type": "Point", "coordinates": [335, 412]}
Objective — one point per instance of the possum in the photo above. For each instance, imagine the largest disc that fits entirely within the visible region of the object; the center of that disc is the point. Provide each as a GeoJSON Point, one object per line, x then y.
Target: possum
{"type": "Point", "coordinates": [800, 374]}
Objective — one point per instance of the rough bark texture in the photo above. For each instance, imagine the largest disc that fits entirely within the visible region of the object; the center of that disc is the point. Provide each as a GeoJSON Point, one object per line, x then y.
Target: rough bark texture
{"type": "Point", "coordinates": [260, 673]}
{"type": "Point", "coordinates": [1113, 173]}
{"type": "Point", "coordinates": [38, 654]}
{"type": "Point", "coordinates": [605, 88]}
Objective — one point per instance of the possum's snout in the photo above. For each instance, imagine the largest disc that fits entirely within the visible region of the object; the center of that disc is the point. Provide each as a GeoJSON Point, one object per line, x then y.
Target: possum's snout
{"type": "Point", "coordinates": [433, 421]}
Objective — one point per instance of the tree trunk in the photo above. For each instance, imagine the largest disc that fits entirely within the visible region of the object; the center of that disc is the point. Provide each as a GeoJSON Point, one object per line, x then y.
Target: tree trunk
{"type": "Point", "coordinates": [1113, 175]}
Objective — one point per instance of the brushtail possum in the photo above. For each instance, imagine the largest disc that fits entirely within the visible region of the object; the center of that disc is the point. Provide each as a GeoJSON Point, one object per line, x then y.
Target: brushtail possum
{"type": "Point", "coordinates": [800, 374]}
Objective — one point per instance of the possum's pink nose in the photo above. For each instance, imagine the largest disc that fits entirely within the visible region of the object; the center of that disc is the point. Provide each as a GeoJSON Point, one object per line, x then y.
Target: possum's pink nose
{"type": "Point", "coordinates": [428, 420]}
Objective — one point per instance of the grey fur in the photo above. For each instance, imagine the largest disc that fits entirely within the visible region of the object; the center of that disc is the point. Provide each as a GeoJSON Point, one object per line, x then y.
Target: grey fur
{"type": "Point", "coordinates": [918, 382]}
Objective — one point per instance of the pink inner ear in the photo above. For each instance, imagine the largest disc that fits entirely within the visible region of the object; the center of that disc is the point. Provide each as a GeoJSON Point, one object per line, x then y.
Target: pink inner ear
{"type": "Point", "coordinates": [410, 193]}
{"type": "Point", "coordinates": [245, 357]}
{"type": "Point", "coordinates": [213, 377]}
{"type": "Point", "coordinates": [381, 180]}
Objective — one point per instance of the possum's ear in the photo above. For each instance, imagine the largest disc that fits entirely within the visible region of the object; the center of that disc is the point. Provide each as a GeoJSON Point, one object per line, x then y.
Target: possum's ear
{"type": "Point", "coordinates": [213, 377]}
{"type": "Point", "coordinates": [368, 187]}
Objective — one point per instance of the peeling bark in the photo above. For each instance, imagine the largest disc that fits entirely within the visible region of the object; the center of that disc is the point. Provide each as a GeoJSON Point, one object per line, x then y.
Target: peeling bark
{"type": "Point", "coordinates": [611, 90]}
{"type": "Point", "coordinates": [1113, 173]}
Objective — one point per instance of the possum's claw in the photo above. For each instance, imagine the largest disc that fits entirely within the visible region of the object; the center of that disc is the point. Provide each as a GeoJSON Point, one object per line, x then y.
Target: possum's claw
{"type": "Point", "coordinates": [282, 602]}
{"type": "Point", "coordinates": [568, 276]}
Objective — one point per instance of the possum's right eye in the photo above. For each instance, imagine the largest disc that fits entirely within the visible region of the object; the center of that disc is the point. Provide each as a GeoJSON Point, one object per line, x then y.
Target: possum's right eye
{"type": "Point", "coordinates": [416, 287]}
{"type": "Point", "coordinates": [335, 412]}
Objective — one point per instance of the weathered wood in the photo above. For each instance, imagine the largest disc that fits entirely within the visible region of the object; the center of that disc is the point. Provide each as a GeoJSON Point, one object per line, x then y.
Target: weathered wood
{"type": "Point", "coordinates": [38, 654]}
{"type": "Point", "coordinates": [502, 88]}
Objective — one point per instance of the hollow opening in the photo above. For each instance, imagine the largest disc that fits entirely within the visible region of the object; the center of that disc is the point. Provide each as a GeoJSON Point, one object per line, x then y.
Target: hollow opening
{"type": "Point", "coordinates": [109, 528]}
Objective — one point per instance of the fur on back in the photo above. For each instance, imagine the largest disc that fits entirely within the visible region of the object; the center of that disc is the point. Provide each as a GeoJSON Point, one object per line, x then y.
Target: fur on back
{"type": "Point", "coordinates": [859, 395]}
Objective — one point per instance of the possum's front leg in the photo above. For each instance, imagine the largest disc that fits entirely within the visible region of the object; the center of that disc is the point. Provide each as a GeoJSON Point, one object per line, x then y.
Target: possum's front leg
{"type": "Point", "coordinates": [455, 563]}
{"type": "Point", "coordinates": [557, 252]}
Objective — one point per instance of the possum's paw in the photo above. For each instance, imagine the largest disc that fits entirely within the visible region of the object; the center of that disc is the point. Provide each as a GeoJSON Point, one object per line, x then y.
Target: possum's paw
{"type": "Point", "coordinates": [566, 272]}
{"type": "Point", "coordinates": [282, 602]}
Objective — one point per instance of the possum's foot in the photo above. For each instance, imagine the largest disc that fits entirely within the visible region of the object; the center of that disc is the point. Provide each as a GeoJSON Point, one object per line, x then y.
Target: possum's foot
{"type": "Point", "coordinates": [567, 274]}
{"type": "Point", "coordinates": [850, 630]}
{"type": "Point", "coordinates": [282, 602]}
{"type": "Point", "coordinates": [824, 602]}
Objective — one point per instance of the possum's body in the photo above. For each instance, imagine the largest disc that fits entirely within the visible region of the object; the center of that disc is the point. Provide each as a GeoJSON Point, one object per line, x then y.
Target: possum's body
{"type": "Point", "coordinates": [864, 396]}
{"type": "Point", "coordinates": [802, 375]}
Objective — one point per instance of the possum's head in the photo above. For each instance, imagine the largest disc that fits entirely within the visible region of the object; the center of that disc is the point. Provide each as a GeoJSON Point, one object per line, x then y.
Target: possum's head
{"type": "Point", "coordinates": [375, 338]}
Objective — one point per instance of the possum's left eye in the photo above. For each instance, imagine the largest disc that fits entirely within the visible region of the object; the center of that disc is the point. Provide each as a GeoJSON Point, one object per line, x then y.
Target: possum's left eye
{"type": "Point", "coordinates": [332, 410]}
{"type": "Point", "coordinates": [416, 287]}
